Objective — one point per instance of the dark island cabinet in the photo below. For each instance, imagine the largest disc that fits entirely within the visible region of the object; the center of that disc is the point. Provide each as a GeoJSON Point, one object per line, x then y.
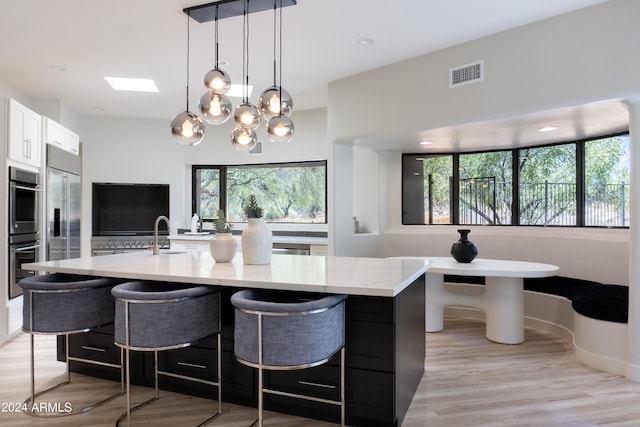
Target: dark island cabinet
{"type": "Point", "coordinates": [385, 349]}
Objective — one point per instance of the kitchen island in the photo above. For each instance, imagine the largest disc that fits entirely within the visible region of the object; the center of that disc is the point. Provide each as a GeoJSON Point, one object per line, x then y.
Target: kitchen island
{"type": "Point", "coordinates": [385, 342]}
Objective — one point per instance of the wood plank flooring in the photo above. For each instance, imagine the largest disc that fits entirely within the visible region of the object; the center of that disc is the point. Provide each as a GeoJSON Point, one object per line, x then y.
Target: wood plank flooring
{"type": "Point", "coordinates": [469, 381]}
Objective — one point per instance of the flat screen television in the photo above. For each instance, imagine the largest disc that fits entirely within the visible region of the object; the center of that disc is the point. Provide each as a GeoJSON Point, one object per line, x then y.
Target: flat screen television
{"type": "Point", "coordinates": [128, 209]}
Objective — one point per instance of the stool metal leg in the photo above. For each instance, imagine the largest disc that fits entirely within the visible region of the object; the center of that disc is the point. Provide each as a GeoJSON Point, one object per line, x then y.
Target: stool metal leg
{"type": "Point", "coordinates": [342, 386]}
{"type": "Point", "coordinates": [157, 372]}
{"type": "Point", "coordinates": [31, 404]}
{"type": "Point", "coordinates": [129, 410]}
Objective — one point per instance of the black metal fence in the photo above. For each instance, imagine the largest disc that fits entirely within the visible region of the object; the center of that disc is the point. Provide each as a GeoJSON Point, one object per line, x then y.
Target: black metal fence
{"type": "Point", "coordinates": [485, 201]}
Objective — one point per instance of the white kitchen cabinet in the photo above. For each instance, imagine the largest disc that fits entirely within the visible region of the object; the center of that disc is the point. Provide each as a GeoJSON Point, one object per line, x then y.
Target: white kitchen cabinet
{"type": "Point", "coordinates": [61, 137]}
{"type": "Point", "coordinates": [71, 141]}
{"type": "Point", "coordinates": [25, 141]}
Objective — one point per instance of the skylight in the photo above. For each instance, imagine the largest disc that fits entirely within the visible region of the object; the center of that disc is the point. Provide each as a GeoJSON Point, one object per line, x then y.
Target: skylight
{"type": "Point", "coordinates": [236, 90]}
{"type": "Point", "coordinates": [132, 85]}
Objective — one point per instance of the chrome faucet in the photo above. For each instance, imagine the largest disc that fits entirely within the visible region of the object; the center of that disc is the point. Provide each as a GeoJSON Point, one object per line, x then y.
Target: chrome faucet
{"type": "Point", "coordinates": [155, 247]}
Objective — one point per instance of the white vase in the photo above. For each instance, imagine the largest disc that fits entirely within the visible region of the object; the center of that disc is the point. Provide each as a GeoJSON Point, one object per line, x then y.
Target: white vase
{"type": "Point", "coordinates": [223, 247]}
{"type": "Point", "coordinates": [257, 242]}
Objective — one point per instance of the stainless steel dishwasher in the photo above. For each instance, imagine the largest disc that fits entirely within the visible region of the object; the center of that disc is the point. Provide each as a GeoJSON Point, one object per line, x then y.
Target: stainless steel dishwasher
{"type": "Point", "coordinates": [291, 248]}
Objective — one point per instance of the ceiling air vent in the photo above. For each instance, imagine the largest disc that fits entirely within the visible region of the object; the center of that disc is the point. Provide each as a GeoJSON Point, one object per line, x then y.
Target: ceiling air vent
{"type": "Point", "coordinates": [257, 149]}
{"type": "Point", "coordinates": [465, 74]}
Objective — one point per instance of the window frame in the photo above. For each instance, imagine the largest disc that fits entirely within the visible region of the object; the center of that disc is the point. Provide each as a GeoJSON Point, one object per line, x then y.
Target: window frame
{"type": "Point", "coordinates": [223, 183]}
{"type": "Point", "coordinates": [515, 176]}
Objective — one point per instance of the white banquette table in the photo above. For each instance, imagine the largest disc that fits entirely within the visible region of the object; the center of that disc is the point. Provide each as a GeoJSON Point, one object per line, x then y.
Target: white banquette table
{"type": "Point", "coordinates": [502, 300]}
{"type": "Point", "coordinates": [385, 339]}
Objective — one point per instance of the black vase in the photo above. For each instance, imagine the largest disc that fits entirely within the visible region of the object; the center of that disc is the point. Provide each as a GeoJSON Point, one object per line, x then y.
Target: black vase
{"type": "Point", "coordinates": [464, 250]}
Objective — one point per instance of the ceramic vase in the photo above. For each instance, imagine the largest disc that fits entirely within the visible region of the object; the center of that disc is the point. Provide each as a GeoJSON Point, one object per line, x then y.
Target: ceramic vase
{"type": "Point", "coordinates": [463, 250]}
{"type": "Point", "coordinates": [257, 242]}
{"type": "Point", "coordinates": [223, 247]}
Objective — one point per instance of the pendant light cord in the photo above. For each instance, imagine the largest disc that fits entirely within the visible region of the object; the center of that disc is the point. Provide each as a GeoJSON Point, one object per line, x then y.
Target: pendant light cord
{"type": "Point", "coordinates": [245, 49]}
{"type": "Point", "coordinates": [188, 43]}
{"type": "Point", "coordinates": [280, 59]}
{"type": "Point", "coordinates": [275, 3]}
{"type": "Point", "coordinates": [215, 65]}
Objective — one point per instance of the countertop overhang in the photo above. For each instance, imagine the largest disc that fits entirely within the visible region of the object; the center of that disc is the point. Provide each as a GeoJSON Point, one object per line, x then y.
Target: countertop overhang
{"type": "Point", "coordinates": [309, 240]}
{"type": "Point", "coordinates": [385, 277]}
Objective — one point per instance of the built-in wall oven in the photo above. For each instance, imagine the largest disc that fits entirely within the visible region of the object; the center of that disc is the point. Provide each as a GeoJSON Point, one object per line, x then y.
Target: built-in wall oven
{"type": "Point", "coordinates": [24, 237]}
{"type": "Point", "coordinates": [24, 193]}
{"type": "Point", "coordinates": [23, 248]}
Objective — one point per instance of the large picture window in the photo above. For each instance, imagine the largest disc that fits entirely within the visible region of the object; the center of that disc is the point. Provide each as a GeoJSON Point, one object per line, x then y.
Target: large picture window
{"type": "Point", "coordinates": [287, 192]}
{"type": "Point", "coordinates": [580, 183]}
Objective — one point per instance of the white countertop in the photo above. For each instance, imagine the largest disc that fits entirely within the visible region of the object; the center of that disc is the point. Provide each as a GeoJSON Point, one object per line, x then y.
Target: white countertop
{"type": "Point", "coordinates": [384, 277]}
{"type": "Point", "coordinates": [276, 239]}
{"type": "Point", "coordinates": [489, 267]}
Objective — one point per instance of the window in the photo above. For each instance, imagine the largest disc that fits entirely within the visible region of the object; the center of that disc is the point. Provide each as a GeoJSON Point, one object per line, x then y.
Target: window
{"type": "Point", "coordinates": [207, 191]}
{"type": "Point", "coordinates": [580, 183]}
{"type": "Point", "coordinates": [548, 185]}
{"type": "Point", "coordinates": [606, 183]}
{"type": "Point", "coordinates": [438, 172]}
{"type": "Point", "coordinates": [485, 188]}
{"type": "Point", "coordinates": [287, 192]}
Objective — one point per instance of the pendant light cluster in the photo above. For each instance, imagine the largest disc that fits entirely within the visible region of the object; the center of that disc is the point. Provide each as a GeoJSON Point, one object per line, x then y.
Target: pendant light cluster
{"type": "Point", "coordinates": [274, 104]}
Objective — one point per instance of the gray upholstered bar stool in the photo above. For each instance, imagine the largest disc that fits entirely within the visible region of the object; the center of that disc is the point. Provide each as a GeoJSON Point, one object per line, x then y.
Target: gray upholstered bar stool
{"type": "Point", "coordinates": [274, 332]}
{"type": "Point", "coordinates": [65, 304]}
{"type": "Point", "coordinates": [157, 316]}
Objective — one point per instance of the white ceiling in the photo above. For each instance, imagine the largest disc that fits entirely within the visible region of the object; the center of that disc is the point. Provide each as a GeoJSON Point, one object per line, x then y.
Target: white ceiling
{"type": "Point", "coordinates": [147, 39]}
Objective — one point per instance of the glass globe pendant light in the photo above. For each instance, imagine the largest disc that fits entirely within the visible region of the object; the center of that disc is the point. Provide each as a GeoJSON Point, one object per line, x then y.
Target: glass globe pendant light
{"type": "Point", "coordinates": [246, 115]}
{"type": "Point", "coordinates": [243, 138]}
{"type": "Point", "coordinates": [214, 105]}
{"type": "Point", "coordinates": [217, 80]}
{"type": "Point", "coordinates": [187, 128]}
{"type": "Point", "coordinates": [280, 129]}
{"type": "Point", "coordinates": [274, 101]}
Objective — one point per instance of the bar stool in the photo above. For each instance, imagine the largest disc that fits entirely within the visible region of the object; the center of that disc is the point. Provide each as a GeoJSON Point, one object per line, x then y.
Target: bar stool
{"type": "Point", "coordinates": [157, 316]}
{"type": "Point", "coordinates": [65, 304]}
{"type": "Point", "coordinates": [274, 332]}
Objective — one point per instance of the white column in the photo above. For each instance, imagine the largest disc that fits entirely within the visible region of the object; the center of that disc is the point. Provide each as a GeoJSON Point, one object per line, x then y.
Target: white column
{"type": "Point", "coordinates": [633, 338]}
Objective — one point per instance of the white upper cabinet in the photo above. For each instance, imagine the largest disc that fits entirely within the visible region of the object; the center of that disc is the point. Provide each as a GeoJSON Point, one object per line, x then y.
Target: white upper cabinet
{"type": "Point", "coordinates": [25, 141]}
{"type": "Point", "coordinates": [61, 137]}
{"type": "Point", "coordinates": [71, 141]}
{"type": "Point", "coordinates": [53, 133]}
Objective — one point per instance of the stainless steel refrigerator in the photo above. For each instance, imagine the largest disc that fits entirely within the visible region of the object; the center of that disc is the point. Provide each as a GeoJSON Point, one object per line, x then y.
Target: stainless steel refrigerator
{"type": "Point", "coordinates": [63, 204]}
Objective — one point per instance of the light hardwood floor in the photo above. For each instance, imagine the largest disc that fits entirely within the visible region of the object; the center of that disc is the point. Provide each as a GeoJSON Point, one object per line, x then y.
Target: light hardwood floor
{"type": "Point", "coordinates": [469, 381]}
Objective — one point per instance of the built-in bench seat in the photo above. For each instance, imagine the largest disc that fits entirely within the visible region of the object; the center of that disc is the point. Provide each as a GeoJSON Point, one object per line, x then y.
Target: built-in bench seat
{"type": "Point", "coordinates": [588, 298]}
{"type": "Point", "coordinates": [591, 315]}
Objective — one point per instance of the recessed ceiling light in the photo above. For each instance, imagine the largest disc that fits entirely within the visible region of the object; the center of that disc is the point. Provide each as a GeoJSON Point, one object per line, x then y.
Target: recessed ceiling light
{"type": "Point", "coordinates": [236, 91]}
{"type": "Point", "coordinates": [426, 142]}
{"type": "Point", "coordinates": [548, 128]}
{"type": "Point", "coordinates": [365, 41]}
{"type": "Point", "coordinates": [132, 85]}
{"type": "Point", "coordinates": [56, 67]}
